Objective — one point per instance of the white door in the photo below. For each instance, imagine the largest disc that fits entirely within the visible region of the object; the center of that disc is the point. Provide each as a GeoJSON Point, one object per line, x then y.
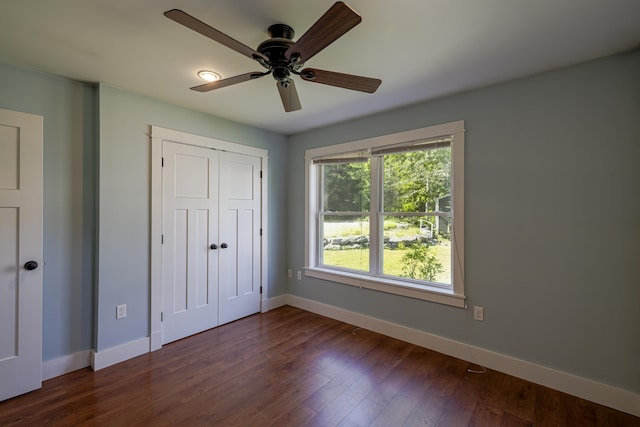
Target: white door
{"type": "Point", "coordinates": [239, 236]}
{"type": "Point", "coordinates": [20, 253]}
{"type": "Point", "coordinates": [189, 262]}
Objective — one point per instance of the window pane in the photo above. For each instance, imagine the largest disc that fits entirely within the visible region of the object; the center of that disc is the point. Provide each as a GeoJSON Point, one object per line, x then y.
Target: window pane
{"type": "Point", "coordinates": [418, 181]}
{"type": "Point", "coordinates": [346, 241]}
{"type": "Point", "coordinates": [346, 187]}
{"type": "Point", "coordinates": [417, 247]}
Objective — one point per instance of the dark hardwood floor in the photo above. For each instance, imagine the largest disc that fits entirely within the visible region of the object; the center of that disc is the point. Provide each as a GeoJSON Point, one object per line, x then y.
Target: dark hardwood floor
{"type": "Point", "coordinates": [289, 367]}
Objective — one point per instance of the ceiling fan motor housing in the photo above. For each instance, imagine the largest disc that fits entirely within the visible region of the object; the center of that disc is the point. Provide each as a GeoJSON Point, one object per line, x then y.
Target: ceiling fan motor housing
{"type": "Point", "coordinates": [275, 48]}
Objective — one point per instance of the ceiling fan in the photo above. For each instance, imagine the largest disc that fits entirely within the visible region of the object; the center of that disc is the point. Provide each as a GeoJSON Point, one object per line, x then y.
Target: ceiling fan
{"type": "Point", "coordinates": [282, 56]}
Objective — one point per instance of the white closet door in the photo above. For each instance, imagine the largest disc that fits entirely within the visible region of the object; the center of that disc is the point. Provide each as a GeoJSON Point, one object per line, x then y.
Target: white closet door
{"type": "Point", "coordinates": [239, 236]}
{"type": "Point", "coordinates": [190, 218]}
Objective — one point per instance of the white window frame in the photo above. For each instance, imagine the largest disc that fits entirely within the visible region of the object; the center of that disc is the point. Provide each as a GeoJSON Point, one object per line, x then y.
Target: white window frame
{"type": "Point", "coordinates": [454, 295]}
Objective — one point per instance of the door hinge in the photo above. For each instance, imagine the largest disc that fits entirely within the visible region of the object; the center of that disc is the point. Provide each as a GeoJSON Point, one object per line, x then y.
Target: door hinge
{"type": "Point", "coordinates": [260, 174]}
{"type": "Point", "coordinates": [162, 239]}
{"type": "Point", "coordinates": [261, 289]}
{"type": "Point", "coordinates": [161, 316]}
{"type": "Point", "coordinates": [163, 162]}
{"type": "Point", "coordinates": [261, 231]}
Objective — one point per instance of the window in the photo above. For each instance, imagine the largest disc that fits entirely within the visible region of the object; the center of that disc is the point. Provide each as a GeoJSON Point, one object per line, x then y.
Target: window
{"type": "Point", "coordinates": [387, 213]}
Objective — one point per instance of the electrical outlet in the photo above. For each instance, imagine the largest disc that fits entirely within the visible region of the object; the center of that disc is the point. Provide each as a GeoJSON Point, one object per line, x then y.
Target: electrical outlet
{"type": "Point", "coordinates": [121, 311]}
{"type": "Point", "coordinates": [289, 273]}
{"type": "Point", "coordinates": [299, 275]}
{"type": "Point", "coordinates": [478, 313]}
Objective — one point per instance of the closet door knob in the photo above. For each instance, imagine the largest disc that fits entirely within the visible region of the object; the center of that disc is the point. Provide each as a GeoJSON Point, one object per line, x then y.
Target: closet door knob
{"type": "Point", "coordinates": [213, 246]}
{"type": "Point", "coordinates": [30, 265]}
{"type": "Point", "coordinates": [224, 246]}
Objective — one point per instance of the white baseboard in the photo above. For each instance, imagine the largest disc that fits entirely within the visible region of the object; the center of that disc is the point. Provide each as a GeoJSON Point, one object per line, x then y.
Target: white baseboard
{"type": "Point", "coordinates": [613, 397]}
{"type": "Point", "coordinates": [118, 354]}
{"type": "Point", "coordinates": [271, 303]}
{"type": "Point", "coordinates": [65, 364]}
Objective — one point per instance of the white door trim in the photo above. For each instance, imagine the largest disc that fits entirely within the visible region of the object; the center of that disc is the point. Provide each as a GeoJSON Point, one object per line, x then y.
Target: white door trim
{"type": "Point", "coordinates": [157, 135]}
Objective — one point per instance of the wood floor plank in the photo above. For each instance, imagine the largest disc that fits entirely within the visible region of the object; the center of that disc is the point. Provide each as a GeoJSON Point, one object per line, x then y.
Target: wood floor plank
{"type": "Point", "coordinates": [521, 399]}
{"type": "Point", "coordinates": [436, 397]}
{"type": "Point", "coordinates": [398, 411]}
{"type": "Point", "coordinates": [549, 408]}
{"type": "Point", "coordinates": [350, 365]}
{"type": "Point", "coordinates": [509, 420]}
{"type": "Point", "coordinates": [376, 366]}
{"type": "Point", "coordinates": [289, 367]}
{"type": "Point", "coordinates": [373, 406]}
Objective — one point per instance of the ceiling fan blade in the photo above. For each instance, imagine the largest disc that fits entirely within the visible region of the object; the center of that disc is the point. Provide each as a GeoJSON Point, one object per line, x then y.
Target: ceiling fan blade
{"type": "Point", "coordinates": [289, 96]}
{"type": "Point", "coordinates": [336, 21]}
{"type": "Point", "coordinates": [228, 82]}
{"type": "Point", "coordinates": [346, 81]}
{"type": "Point", "coordinates": [197, 25]}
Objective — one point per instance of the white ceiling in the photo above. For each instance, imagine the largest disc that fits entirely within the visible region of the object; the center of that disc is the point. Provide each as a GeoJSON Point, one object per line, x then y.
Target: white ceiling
{"type": "Point", "coordinates": [421, 49]}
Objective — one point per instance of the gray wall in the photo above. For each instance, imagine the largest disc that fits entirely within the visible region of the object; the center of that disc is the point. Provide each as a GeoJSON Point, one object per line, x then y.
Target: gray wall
{"type": "Point", "coordinates": [124, 182]}
{"type": "Point", "coordinates": [552, 221]}
{"type": "Point", "coordinates": [69, 110]}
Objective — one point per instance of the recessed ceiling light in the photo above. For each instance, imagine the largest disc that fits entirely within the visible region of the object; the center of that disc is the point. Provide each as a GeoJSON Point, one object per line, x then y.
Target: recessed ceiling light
{"type": "Point", "coordinates": [209, 76]}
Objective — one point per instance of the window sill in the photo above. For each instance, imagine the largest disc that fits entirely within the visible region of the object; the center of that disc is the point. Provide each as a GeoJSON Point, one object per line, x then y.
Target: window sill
{"type": "Point", "coordinates": [397, 287]}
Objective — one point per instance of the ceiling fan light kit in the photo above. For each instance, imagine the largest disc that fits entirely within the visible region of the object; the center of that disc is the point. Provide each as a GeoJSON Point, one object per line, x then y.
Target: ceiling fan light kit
{"type": "Point", "coordinates": [283, 57]}
{"type": "Point", "coordinates": [209, 76]}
